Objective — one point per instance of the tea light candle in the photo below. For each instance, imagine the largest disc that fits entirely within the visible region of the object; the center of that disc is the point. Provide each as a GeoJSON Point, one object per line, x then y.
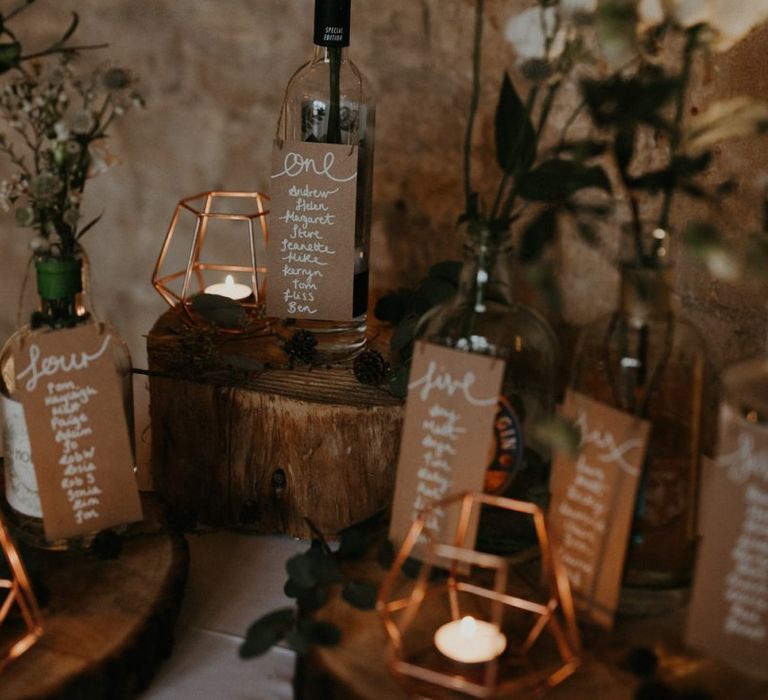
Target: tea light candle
{"type": "Point", "coordinates": [230, 288]}
{"type": "Point", "coordinates": [470, 641]}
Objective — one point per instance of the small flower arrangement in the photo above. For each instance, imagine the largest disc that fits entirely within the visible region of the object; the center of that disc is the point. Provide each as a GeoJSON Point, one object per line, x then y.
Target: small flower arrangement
{"type": "Point", "coordinates": [56, 121]}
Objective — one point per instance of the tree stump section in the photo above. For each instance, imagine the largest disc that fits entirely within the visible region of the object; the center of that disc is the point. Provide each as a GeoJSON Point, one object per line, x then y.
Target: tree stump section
{"type": "Point", "coordinates": [263, 450]}
{"type": "Point", "coordinates": [356, 668]}
{"type": "Point", "coordinates": [108, 624]}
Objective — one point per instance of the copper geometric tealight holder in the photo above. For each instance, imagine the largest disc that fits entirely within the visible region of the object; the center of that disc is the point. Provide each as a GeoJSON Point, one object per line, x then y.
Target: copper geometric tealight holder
{"type": "Point", "coordinates": [214, 244]}
{"type": "Point", "coordinates": [20, 630]}
{"type": "Point", "coordinates": [524, 599]}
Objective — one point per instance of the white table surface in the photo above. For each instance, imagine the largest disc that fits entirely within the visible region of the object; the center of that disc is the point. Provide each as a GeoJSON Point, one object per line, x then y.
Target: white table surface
{"type": "Point", "coordinates": [233, 580]}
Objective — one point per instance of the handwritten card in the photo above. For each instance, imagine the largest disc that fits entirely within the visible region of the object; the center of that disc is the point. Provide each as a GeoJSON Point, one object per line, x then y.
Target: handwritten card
{"type": "Point", "coordinates": [311, 251]}
{"type": "Point", "coordinates": [73, 404]}
{"type": "Point", "coordinates": [728, 615]}
{"type": "Point", "coordinates": [593, 501]}
{"type": "Point", "coordinates": [449, 418]}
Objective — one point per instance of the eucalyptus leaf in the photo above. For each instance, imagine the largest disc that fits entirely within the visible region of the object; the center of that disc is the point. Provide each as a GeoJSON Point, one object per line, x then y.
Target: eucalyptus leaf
{"type": "Point", "coordinates": [398, 381]}
{"type": "Point", "coordinates": [557, 179]}
{"type": "Point", "coordinates": [447, 270]}
{"type": "Point", "coordinates": [10, 55]}
{"type": "Point", "coordinates": [318, 632]}
{"type": "Point", "coordinates": [515, 136]}
{"type": "Point", "coordinates": [538, 234]}
{"type": "Point", "coordinates": [219, 310]}
{"type": "Point", "coordinates": [266, 632]}
{"type": "Point", "coordinates": [323, 568]}
{"type": "Point", "coordinates": [360, 594]}
{"type": "Point", "coordinates": [353, 544]}
{"type": "Point", "coordinates": [301, 571]}
{"type": "Point", "coordinates": [311, 599]}
{"type": "Point", "coordinates": [437, 290]}
{"type": "Point", "coordinates": [298, 642]}
{"type": "Point", "coordinates": [400, 345]}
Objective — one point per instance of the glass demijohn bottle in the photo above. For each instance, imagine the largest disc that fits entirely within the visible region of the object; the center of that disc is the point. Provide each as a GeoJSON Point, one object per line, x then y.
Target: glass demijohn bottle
{"type": "Point", "coordinates": [484, 317]}
{"type": "Point", "coordinates": [329, 101]}
{"type": "Point", "coordinates": [646, 359]}
{"type": "Point", "coordinates": [63, 303]}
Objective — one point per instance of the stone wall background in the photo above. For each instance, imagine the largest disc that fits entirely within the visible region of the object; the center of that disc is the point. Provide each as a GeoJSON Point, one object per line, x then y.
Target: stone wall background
{"type": "Point", "coordinates": [213, 72]}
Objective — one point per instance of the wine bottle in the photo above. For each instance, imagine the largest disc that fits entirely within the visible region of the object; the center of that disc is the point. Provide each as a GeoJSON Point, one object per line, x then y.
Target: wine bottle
{"type": "Point", "coordinates": [328, 101]}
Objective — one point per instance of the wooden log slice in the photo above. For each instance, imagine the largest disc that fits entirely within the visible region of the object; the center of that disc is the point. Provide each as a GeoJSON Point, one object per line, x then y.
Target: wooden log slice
{"type": "Point", "coordinates": [264, 450]}
{"type": "Point", "coordinates": [108, 623]}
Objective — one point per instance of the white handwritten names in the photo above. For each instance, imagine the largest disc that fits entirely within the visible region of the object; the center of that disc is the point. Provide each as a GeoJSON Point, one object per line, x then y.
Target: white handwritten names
{"type": "Point", "coordinates": [69, 424]}
{"type": "Point", "coordinates": [746, 585]}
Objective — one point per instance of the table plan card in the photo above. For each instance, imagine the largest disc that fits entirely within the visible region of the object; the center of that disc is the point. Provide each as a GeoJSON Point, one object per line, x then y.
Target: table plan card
{"type": "Point", "coordinates": [449, 416]}
{"type": "Point", "coordinates": [728, 615]}
{"type": "Point", "coordinates": [311, 250]}
{"type": "Point", "coordinates": [593, 502]}
{"type": "Point", "coordinates": [75, 415]}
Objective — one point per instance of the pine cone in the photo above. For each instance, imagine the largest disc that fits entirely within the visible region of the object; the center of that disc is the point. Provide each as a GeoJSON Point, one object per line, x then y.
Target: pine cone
{"type": "Point", "coordinates": [370, 367]}
{"type": "Point", "coordinates": [302, 347]}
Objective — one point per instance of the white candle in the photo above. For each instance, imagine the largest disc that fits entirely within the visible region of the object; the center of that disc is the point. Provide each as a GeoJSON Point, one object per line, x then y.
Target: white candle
{"type": "Point", "coordinates": [230, 288]}
{"type": "Point", "coordinates": [470, 641]}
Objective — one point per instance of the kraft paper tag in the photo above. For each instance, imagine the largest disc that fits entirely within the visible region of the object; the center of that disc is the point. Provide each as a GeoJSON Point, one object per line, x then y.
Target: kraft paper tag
{"type": "Point", "coordinates": [728, 615]}
{"type": "Point", "coordinates": [311, 251]}
{"type": "Point", "coordinates": [449, 418]}
{"type": "Point", "coordinates": [75, 416]}
{"type": "Point", "coordinates": [593, 502]}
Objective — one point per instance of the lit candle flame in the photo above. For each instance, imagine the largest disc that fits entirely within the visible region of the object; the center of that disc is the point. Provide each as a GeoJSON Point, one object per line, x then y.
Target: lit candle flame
{"type": "Point", "coordinates": [229, 282]}
{"type": "Point", "coordinates": [468, 626]}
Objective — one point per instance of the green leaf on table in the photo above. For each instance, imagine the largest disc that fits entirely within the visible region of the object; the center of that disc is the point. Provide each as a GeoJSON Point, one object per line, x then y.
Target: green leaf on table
{"type": "Point", "coordinates": [515, 136]}
{"type": "Point", "coordinates": [323, 568]}
{"type": "Point", "coordinates": [353, 544]}
{"type": "Point", "coordinates": [557, 179]}
{"type": "Point", "coordinates": [219, 310]}
{"type": "Point", "coordinates": [447, 270]}
{"type": "Point", "coordinates": [300, 571]}
{"type": "Point", "coordinates": [266, 632]}
{"type": "Point", "coordinates": [324, 634]}
{"type": "Point", "coordinates": [401, 343]}
{"type": "Point", "coordinates": [360, 594]}
{"type": "Point", "coordinates": [10, 54]}
{"type": "Point", "coordinates": [308, 599]}
{"type": "Point", "coordinates": [436, 290]}
{"type": "Point", "coordinates": [397, 384]}
{"type": "Point", "coordinates": [538, 234]}
{"type": "Point", "coordinates": [386, 554]}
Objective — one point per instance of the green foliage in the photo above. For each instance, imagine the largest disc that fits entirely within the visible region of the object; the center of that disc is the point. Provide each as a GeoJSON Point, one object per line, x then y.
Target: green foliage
{"type": "Point", "coordinates": [312, 576]}
{"type": "Point", "coordinates": [267, 631]}
{"type": "Point", "coordinates": [560, 434]}
{"type": "Point", "coordinates": [554, 181]}
{"type": "Point", "coordinates": [219, 310]}
{"type": "Point", "coordinates": [10, 55]}
{"type": "Point", "coordinates": [515, 136]}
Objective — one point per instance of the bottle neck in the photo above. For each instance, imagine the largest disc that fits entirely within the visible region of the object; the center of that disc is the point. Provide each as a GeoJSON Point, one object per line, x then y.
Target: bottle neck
{"type": "Point", "coordinates": [60, 287]}
{"type": "Point", "coordinates": [486, 275]}
{"type": "Point", "coordinates": [645, 292]}
{"type": "Point", "coordinates": [328, 54]}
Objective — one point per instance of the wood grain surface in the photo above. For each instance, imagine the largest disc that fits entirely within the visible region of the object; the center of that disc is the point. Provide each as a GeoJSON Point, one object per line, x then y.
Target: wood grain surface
{"type": "Point", "coordinates": [108, 623]}
{"type": "Point", "coordinates": [264, 450]}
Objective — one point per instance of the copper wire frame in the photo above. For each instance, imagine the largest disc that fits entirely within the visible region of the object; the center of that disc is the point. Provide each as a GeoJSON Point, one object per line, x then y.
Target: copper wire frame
{"type": "Point", "coordinates": [557, 615]}
{"type": "Point", "coordinates": [19, 591]}
{"type": "Point", "coordinates": [202, 207]}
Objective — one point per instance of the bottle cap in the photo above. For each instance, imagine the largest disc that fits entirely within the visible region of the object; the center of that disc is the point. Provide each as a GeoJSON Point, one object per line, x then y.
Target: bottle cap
{"type": "Point", "coordinates": [58, 278]}
{"type": "Point", "coordinates": [332, 22]}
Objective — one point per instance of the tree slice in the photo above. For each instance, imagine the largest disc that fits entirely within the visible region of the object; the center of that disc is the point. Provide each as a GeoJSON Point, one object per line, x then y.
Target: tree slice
{"type": "Point", "coordinates": [265, 450]}
{"type": "Point", "coordinates": [108, 623]}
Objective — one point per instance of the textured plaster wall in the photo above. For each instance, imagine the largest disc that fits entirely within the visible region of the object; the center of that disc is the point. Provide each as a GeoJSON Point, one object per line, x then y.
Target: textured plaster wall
{"type": "Point", "coordinates": [213, 72]}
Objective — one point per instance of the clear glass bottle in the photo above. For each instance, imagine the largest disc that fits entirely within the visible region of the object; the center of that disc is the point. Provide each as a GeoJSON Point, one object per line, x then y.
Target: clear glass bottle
{"type": "Point", "coordinates": [329, 101]}
{"type": "Point", "coordinates": [648, 360]}
{"type": "Point", "coordinates": [484, 317]}
{"type": "Point", "coordinates": [63, 303]}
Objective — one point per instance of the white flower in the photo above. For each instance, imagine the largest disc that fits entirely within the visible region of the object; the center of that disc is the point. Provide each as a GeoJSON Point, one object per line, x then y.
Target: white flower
{"type": "Point", "coordinates": [731, 20]}
{"type": "Point", "coordinates": [526, 33]}
{"type": "Point", "coordinates": [62, 131]}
